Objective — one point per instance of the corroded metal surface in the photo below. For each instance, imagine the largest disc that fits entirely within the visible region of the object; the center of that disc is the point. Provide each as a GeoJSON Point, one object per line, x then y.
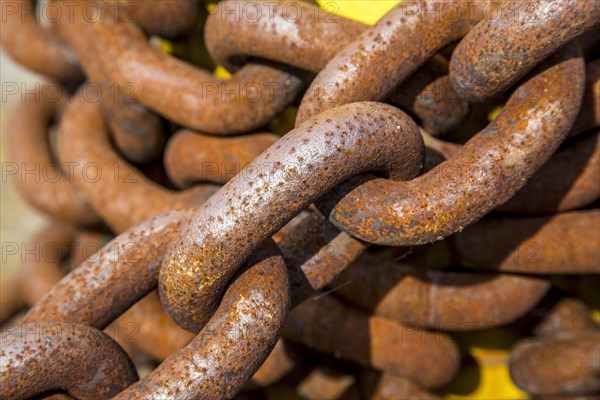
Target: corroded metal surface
{"type": "Point", "coordinates": [34, 47]}
{"type": "Point", "coordinates": [568, 181]}
{"type": "Point", "coordinates": [542, 245]}
{"type": "Point", "coordinates": [192, 157]}
{"type": "Point", "coordinates": [499, 51]}
{"type": "Point", "coordinates": [371, 320]}
{"type": "Point", "coordinates": [39, 178]}
{"type": "Point", "coordinates": [118, 191]}
{"type": "Point", "coordinates": [179, 91]}
{"type": "Point", "coordinates": [211, 247]}
{"type": "Point", "coordinates": [438, 299]}
{"type": "Point", "coordinates": [307, 37]}
{"type": "Point", "coordinates": [73, 357]}
{"type": "Point", "coordinates": [488, 170]}
{"type": "Point", "coordinates": [564, 357]}
{"type": "Point", "coordinates": [327, 325]}
{"type": "Point", "coordinates": [233, 344]}
{"type": "Point", "coordinates": [385, 55]}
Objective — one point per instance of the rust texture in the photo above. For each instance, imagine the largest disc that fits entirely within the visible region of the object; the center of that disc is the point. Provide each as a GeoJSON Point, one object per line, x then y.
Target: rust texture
{"type": "Point", "coordinates": [315, 252]}
{"type": "Point", "coordinates": [191, 157]}
{"type": "Point", "coordinates": [324, 323]}
{"type": "Point", "coordinates": [245, 211]}
{"type": "Point", "coordinates": [385, 55]}
{"type": "Point", "coordinates": [430, 95]}
{"type": "Point", "coordinates": [97, 292]}
{"type": "Point", "coordinates": [499, 51]}
{"type": "Point", "coordinates": [329, 259]}
{"type": "Point", "coordinates": [542, 245]}
{"type": "Point", "coordinates": [307, 37]}
{"type": "Point", "coordinates": [86, 244]}
{"type": "Point", "coordinates": [234, 343]}
{"type": "Point", "coordinates": [77, 358]}
{"type": "Point", "coordinates": [187, 95]}
{"type": "Point", "coordinates": [136, 131]}
{"type": "Point", "coordinates": [37, 175]}
{"type": "Point", "coordinates": [438, 299]}
{"type": "Point", "coordinates": [485, 173]}
{"type": "Point", "coordinates": [289, 32]}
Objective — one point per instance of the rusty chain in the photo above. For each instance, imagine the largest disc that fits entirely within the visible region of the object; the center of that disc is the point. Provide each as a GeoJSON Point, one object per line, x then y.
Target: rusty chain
{"type": "Point", "coordinates": [231, 250]}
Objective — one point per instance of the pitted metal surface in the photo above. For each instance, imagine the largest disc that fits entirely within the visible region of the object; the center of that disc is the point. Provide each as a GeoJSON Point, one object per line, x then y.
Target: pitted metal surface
{"type": "Point", "coordinates": [243, 259]}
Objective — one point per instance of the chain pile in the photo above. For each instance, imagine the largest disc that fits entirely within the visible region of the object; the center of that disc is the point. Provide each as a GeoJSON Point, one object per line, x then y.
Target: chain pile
{"type": "Point", "coordinates": [236, 249]}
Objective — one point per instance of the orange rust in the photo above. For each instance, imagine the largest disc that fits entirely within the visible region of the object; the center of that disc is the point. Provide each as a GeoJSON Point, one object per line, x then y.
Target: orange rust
{"type": "Point", "coordinates": [543, 245]}
{"type": "Point", "coordinates": [117, 190]}
{"type": "Point", "coordinates": [485, 173]}
{"type": "Point", "coordinates": [38, 177]}
{"type": "Point", "coordinates": [192, 157]}
{"type": "Point", "coordinates": [38, 49]}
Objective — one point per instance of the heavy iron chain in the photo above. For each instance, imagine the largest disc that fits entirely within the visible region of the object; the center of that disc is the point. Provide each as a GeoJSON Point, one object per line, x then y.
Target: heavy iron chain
{"type": "Point", "coordinates": [234, 246]}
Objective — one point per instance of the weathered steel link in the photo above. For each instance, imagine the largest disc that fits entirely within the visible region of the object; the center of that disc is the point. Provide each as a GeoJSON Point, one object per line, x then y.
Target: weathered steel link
{"type": "Point", "coordinates": [488, 170]}
{"type": "Point", "coordinates": [44, 269]}
{"type": "Point", "coordinates": [570, 179]}
{"type": "Point", "coordinates": [566, 354]}
{"type": "Point", "coordinates": [187, 95]}
{"type": "Point", "coordinates": [430, 95]}
{"type": "Point", "coordinates": [258, 300]}
{"type": "Point", "coordinates": [394, 48]}
{"type": "Point", "coordinates": [543, 245]}
{"type": "Point", "coordinates": [117, 190]}
{"type": "Point", "coordinates": [454, 301]}
{"type": "Point", "coordinates": [97, 292]}
{"type": "Point", "coordinates": [34, 47]}
{"type": "Point", "coordinates": [298, 169]}
{"type": "Point", "coordinates": [568, 316]}
{"type": "Point", "coordinates": [137, 132]}
{"type": "Point", "coordinates": [308, 40]}
{"type": "Point", "coordinates": [43, 356]}
{"type": "Point", "coordinates": [499, 51]}
{"type": "Point", "coordinates": [191, 157]}
{"type": "Point", "coordinates": [37, 176]}
{"type": "Point", "coordinates": [315, 253]}
{"type": "Point", "coordinates": [87, 242]}
{"type": "Point", "coordinates": [235, 341]}
{"type": "Point", "coordinates": [288, 32]}
{"type": "Point", "coordinates": [324, 323]}
{"type": "Point", "coordinates": [155, 333]}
